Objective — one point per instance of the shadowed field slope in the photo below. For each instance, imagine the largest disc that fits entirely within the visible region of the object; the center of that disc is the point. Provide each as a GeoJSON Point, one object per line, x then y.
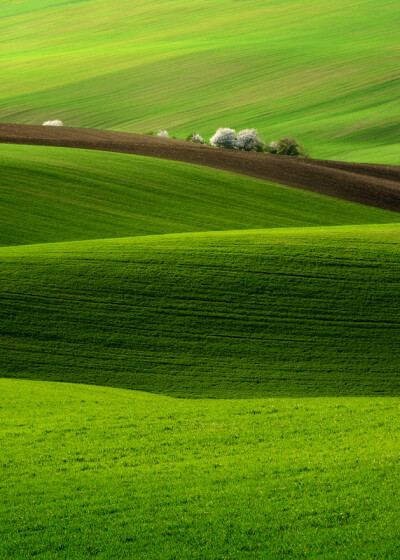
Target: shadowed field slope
{"type": "Point", "coordinates": [91, 472]}
{"type": "Point", "coordinates": [54, 194]}
{"type": "Point", "coordinates": [325, 72]}
{"type": "Point", "coordinates": [374, 185]}
{"type": "Point", "coordinates": [296, 312]}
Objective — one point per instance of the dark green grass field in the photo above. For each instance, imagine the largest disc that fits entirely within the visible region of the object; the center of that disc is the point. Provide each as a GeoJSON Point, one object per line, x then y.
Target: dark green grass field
{"type": "Point", "coordinates": [325, 72]}
{"type": "Point", "coordinates": [61, 194]}
{"type": "Point", "coordinates": [279, 312]}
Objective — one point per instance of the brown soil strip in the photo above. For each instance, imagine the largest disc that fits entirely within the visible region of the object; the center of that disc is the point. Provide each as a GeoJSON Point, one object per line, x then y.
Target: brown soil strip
{"type": "Point", "coordinates": [374, 185]}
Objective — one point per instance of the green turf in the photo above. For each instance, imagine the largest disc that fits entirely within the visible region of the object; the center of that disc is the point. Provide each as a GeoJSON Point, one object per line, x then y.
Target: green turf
{"type": "Point", "coordinates": [325, 72]}
{"type": "Point", "coordinates": [60, 194]}
{"type": "Point", "coordinates": [90, 472]}
{"type": "Point", "coordinates": [292, 312]}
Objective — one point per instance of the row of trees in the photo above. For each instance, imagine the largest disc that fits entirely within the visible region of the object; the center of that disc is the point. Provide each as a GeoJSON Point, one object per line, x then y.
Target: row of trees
{"type": "Point", "coordinates": [247, 140]}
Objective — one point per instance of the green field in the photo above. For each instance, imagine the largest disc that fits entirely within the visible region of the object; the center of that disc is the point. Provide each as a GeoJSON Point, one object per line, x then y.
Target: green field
{"type": "Point", "coordinates": [325, 72]}
{"type": "Point", "coordinates": [61, 194]}
{"type": "Point", "coordinates": [195, 363]}
{"type": "Point", "coordinates": [280, 312]}
{"type": "Point", "coordinates": [292, 331]}
{"type": "Point", "coordinates": [281, 344]}
{"type": "Point", "coordinates": [90, 472]}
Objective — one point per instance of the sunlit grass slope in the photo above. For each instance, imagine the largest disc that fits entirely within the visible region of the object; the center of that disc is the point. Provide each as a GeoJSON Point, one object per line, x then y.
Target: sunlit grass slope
{"type": "Point", "coordinates": [60, 194]}
{"type": "Point", "coordinates": [89, 472]}
{"type": "Point", "coordinates": [326, 72]}
{"type": "Point", "coordinates": [296, 312]}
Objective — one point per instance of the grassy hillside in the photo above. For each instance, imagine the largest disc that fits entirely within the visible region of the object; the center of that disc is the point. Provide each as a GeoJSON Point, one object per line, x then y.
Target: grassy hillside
{"type": "Point", "coordinates": [60, 194]}
{"type": "Point", "coordinates": [325, 72]}
{"type": "Point", "coordinates": [91, 472]}
{"type": "Point", "coordinates": [296, 312]}
{"type": "Point", "coordinates": [240, 297]}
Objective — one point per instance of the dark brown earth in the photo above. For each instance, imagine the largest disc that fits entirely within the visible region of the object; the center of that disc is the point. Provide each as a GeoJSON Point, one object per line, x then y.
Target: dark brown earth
{"type": "Point", "coordinates": [374, 185]}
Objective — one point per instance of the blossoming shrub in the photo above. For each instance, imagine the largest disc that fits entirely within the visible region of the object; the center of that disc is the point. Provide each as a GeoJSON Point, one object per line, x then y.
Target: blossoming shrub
{"type": "Point", "coordinates": [53, 123]}
{"type": "Point", "coordinates": [195, 138]}
{"type": "Point", "coordinates": [224, 138]}
{"type": "Point", "coordinates": [162, 134]}
{"type": "Point", "coordinates": [248, 140]}
{"type": "Point", "coordinates": [272, 147]}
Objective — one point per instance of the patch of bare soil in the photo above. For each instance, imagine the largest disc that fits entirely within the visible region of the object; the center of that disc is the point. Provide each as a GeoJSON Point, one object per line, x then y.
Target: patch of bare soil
{"type": "Point", "coordinates": [374, 185]}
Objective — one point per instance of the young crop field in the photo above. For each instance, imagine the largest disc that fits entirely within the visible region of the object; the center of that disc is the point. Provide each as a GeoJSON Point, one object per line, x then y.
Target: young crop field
{"type": "Point", "coordinates": [281, 344]}
{"type": "Point", "coordinates": [324, 72]}
{"type": "Point", "coordinates": [199, 346]}
{"type": "Point", "coordinates": [60, 194]}
{"type": "Point", "coordinates": [296, 312]}
{"type": "Point", "coordinates": [90, 472]}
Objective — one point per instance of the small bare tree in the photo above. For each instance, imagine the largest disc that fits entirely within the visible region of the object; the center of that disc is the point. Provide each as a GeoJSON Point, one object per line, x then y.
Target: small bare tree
{"type": "Point", "coordinates": [286, 147]}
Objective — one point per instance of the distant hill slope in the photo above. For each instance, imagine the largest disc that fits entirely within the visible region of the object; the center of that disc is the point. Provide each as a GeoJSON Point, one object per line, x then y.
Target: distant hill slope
{"type": "Point", "coordinates": [325, 72]}
{"type": "Point", "coordinates": [53, 194]}
{"type": "Point", "coordinates": [292, 312]}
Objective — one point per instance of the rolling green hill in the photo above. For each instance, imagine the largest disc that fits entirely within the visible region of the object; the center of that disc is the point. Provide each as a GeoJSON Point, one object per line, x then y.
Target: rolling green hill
{"type": "Point", "coordinates": [281, 312]}
{"type": "Point", "coordinates": [271, 313]}
{"type": "Point", "coordinates": [60, 194]}
{"type": "Point", "coordinates": [91, 472]}
{"type": "Point", "coordinates": [325, 72]}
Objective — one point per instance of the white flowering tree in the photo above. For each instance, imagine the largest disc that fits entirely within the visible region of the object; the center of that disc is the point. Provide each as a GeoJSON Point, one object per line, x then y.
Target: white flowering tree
{"type": "Point", "coordinates": [53, 123]}
{"type": "Point", "coordinates": [248, 140]}
{"type": "Point", "coordinates": [162, 134]}
{"type": "Point", "coordinates": [224, 138]}
{"type": "Point", "coordinates": [195, 138]}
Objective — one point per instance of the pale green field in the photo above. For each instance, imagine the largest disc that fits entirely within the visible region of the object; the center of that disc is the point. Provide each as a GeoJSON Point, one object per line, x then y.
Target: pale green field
{"type": "Point", "coordinates": [325, 72]}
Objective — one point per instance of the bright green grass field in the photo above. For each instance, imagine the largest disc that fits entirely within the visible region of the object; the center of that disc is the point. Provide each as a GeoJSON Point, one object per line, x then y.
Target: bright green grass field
{"type": "Point", "coordinates": [61, 194]}
{"type": "Point", "coordinates": [280, 312]}
{"type": "Point", "coordinates": [325, 72]}
{"type": "Point", "coordinates": [89, 472]}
